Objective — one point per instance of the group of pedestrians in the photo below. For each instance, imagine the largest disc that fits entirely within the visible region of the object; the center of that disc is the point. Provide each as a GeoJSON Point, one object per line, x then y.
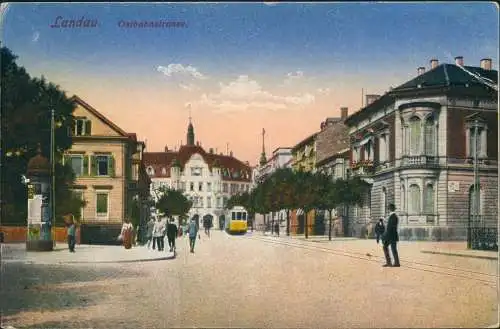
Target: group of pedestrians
{"type": "Point", "coordinates": [389, 236]}
{"type": "Point", "coordinates": [156, 232]}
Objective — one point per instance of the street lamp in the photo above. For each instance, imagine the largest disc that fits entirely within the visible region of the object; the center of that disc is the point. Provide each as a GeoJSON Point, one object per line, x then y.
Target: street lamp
{"type": "Point", "coordinates": [475, 199]}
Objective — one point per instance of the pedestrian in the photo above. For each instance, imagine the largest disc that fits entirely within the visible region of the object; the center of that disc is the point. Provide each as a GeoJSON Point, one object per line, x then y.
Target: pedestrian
{"type": "Point", "coordinates": [391, 238]}
{"type": "Point", "coordinates": [149, 232]}
{"type": "Point", "coordinates": [164, 223]}
{"type": "Point", "coordinates": [171, 235]}
{"type": "Point", "coordinates": [157, 234]}
{"type": "Point", "coordinates": [71, 233]}
{"type": "Point", "coordinates": [193, 232]}
{"type": "Point", "coordinates": [127, 233]}
{"type": "Point", "coordinates": [379, 229]}
{"type": "Point", "coordinates": [277, 228]}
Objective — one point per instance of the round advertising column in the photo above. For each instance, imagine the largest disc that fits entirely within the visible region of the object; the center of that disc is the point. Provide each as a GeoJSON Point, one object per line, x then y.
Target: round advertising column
{"type": "Point", "coordinates": [39, 215]}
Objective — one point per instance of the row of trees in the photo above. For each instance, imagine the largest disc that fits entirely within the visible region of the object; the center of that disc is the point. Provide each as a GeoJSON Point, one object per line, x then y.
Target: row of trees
{"type": "Point", "coordinates": [287, 190]}
{"type": "Point", "coordinates": [26, 115]}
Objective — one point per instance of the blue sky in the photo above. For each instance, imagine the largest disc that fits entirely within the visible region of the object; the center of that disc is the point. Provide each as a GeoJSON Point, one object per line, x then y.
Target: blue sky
{"type": "Point", "coordinates": [283, 54]}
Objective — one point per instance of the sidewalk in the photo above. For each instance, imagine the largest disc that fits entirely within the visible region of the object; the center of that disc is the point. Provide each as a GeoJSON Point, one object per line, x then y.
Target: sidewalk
{"type": "Point", "coordinates": [84, 254]}
{"type": "Point", "coordinates": [449, 248]}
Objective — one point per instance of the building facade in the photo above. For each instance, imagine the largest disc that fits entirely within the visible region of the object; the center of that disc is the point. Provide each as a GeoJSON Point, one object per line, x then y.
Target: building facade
{"type": "Point", "coordinates": [415, 145]}
{"type": "Point", "coordinates": [110, 175]}
{"type": "Point", "coordinates": [206, 178]}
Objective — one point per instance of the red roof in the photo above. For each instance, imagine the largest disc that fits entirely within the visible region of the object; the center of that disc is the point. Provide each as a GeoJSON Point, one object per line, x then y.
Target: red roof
{"type": "Point", "coordinates": [232, 169]}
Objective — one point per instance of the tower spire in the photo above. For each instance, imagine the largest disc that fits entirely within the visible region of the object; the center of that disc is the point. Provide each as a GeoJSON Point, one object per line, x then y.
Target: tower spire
{"type": "Point", "coordinates": [263, 159]}
{"type": "Point", "coordinates": [190, 131]}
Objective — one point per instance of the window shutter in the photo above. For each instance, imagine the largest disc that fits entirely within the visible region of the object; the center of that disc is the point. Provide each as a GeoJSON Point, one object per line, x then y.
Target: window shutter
{"type": "Point", "coordinates": [111, 166]}
{"type": "Point", "coordinates": [93, 161]}
{"type": "Point", "coordinates": [85, 165]}
{"type": "Point", "coordinates": [88, 127]}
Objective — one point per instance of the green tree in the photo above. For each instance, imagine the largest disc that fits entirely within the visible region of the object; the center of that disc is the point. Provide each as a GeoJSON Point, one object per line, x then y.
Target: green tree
{"type": "Point", "coordinates": [308, 190]}
{"type": "Point", "coordinates": [173, 203]}
{"type": "Point", "coordinates": [283, 185]}
{"type": "Point", "coordinates": [329, 197]}
{"type": "Point", "coordinates": [26, 103]}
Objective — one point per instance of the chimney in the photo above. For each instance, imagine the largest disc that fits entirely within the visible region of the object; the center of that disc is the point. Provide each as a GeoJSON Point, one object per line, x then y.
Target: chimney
{"type": "Point", "coordinates": [231, 154]}
{"type": "Point", "coordinates": [421, 70]}
{"type": "Point", "coordinates": [344, 112]}
{"type": "Point", "coordinates": [459, 60]}
{"type": "Point", "coordinates": [211, 151]}
{"type": "Point", "coordinates": [434, 63]}
{"type": "Point", "coordinates": [166, 148]}
{"type": "Point", "coordinates": [486, 64]}
{"type": "Point", "coordinates": [371, 98]}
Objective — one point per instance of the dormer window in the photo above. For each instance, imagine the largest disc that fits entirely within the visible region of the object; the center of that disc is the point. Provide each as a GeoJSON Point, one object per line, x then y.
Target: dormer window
{"type": "Point", "coordinates": [82, 127]}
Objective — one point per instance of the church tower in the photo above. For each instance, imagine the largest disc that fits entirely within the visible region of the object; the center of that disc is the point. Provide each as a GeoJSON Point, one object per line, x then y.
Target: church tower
{"type": "Point", "coordinates": [263, 159]}
{"type": "Point", "coordinates": [190, 131]}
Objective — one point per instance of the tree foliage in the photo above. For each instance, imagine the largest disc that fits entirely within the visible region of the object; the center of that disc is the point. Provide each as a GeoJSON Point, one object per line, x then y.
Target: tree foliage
{"type": "Point", "coordinates": [26, 118]}
{"type": "Point", "coordinates": [173, 203]}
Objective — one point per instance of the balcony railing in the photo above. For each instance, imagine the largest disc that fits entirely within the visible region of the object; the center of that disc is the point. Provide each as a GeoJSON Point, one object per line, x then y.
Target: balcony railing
{"type": "Point", "coordinates": [420, 160]}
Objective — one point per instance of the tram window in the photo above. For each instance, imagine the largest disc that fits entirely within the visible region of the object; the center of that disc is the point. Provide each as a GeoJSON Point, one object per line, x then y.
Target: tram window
{"type": "Point", "coordinates": [233, 217]}
{"type": "Point", "coordinates": [238, 215]}
{"type": "Point", "coordinates": [244, 216]}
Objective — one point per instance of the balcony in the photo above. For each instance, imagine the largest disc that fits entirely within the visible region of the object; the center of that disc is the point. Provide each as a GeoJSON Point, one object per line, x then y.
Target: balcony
{"type": "Point", "coordinates": [419, 161]}
{"type": "Point", "coordinates": [362, 168]}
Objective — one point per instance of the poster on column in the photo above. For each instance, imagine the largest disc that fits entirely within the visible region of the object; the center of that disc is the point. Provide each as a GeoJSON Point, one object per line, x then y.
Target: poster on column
{"type": "Point", "coordinates": [35, 210]}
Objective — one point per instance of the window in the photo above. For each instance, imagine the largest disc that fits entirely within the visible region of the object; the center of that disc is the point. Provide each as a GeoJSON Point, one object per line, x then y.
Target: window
{"type": "Point", "coordinates": [368, 150]}
{"type": "Point", "coordinates": [382, 148]}
{"type": "Point", "coordinates": [219, 200]}
{"type": "Point", "coordinates": [77, 164]}
{"type": "Point", "coordinates": [430, 137]}
{"type": "Point", "coordinates": [82, 127]}
{"type": "Point", "coordinates": [429, 199]}
{"type": "Point", "coordinates": [200, 186]}
{"type": "Point", "coordinates": [102, 204]}
{"type": "Point", "coordinates": [191, 186]}
{"type": "Point", "coordinates": [209, 187]}
{"type": "Point", "coordinates": [201, 202]}
{"type": "Point", "coordinates": [224, 201]}
{"type": "Point", "coordinates": [103, 164]}
{"type": "Point", "coordinates": [415, 135]}
{"type": "Point", "coordinates": [224, 187]}
{"type": "Point", "coordinates": [196, 171]}
{"type": "Point", "coordinates": [209, 202]}
{"type": "Point", "coordinates": [476, 142]}
{"type": "Point", "coordinates": [183, 186]}
{"type": "Point", "coordinates": [414, 199]}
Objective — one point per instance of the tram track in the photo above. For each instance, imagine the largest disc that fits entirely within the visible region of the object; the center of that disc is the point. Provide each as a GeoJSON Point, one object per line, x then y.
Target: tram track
{"type": "Point", "coordinates": [485, 278]}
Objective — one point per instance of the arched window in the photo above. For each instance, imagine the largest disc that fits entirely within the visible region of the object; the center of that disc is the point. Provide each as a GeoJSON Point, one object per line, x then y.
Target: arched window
{"type": "Point", "coordinates": [415, 135]}
{"type": "Point", "coordinates": [150, 171]}
{"type": "Point", "coordinates": [414, 199]}
{"type": "Point", "coordinates": [429, 199]}
{"type": "Point", "coordinates": [368, 150]}
{"type": "Point", "coordinates": [473, 209]}
{"type": "Point", "coordinates": [430, 137]}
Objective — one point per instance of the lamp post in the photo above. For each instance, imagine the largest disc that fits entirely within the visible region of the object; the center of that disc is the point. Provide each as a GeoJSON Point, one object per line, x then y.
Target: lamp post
{"type": "Point", "coordinates": [53, 173]}
{"type": "Point", "coordinates": [475, 199]}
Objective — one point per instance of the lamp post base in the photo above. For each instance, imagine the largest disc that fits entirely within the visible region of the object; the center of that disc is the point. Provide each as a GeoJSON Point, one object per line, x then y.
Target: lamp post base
{"type": "Point", "coordinates": [40, 245]}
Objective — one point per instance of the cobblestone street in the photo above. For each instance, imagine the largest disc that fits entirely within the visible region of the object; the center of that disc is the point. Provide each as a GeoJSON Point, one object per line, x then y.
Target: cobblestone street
{"type": "Point", "coordinates": [255, 281]}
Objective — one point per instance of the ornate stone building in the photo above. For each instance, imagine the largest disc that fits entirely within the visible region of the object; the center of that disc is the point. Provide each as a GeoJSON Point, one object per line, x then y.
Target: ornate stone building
{"type": "Point", "coordinates": [415, 145]}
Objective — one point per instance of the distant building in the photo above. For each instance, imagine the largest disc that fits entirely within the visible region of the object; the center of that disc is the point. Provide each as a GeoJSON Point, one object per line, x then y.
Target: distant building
{"type": "Point", "coordinates": [415, 145]}
{"type": "Point", "coordinates": [206, 178]}
{"type": "Point", "coordinates": [110, 174]}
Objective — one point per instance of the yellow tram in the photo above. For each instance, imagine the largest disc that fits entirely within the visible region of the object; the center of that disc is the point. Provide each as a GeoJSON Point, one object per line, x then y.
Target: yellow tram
{"type": "Point", "coordinates": [236, 220]}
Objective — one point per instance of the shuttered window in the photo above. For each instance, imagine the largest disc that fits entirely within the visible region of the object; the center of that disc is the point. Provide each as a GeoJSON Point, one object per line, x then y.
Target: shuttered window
{"type": "Point", "coordinates": [103, 165]}
{"type": "Point", "coordinates": [415, 135]}
{"type": "Point", "coordinates": [414, 199]}
{"type": "Point", "coordinates": [82, 127]}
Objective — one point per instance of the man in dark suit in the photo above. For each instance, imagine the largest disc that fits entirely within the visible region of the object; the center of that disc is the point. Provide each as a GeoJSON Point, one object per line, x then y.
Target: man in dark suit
{"type": "Point", "coordinates": [391, 238]}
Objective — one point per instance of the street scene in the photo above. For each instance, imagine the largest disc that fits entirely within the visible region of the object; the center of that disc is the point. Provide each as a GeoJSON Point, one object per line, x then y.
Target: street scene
{"type": "Point", "coordinates": [249, 165]}
{"type": "Point", "coordinates": [243, 282]}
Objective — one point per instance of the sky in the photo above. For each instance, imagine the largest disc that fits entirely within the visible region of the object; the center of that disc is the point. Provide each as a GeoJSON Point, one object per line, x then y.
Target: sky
{"type": "Point", "coordinates": [239, 67]}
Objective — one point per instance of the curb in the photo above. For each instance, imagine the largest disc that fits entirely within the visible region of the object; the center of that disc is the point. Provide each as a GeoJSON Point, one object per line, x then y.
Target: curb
{"type": "Point", "coordinates": [459, 255]}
